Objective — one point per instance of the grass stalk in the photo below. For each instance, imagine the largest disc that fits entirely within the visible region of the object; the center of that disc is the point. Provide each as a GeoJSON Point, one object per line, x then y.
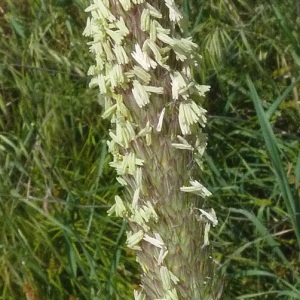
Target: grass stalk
{"type": "Point", "coordinates": [143, 73]}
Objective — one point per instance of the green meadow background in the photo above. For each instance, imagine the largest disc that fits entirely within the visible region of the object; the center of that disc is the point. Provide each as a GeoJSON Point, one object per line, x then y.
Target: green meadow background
{"type": "Point", "coordinates": [56, 240]}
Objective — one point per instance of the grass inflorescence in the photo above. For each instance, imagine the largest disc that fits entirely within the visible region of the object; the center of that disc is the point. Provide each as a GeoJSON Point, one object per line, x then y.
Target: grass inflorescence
{"type": "Point", "coordinates": [55, 182]}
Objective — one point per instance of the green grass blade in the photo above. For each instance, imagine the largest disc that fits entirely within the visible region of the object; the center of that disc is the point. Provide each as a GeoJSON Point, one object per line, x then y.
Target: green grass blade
{"type": "Point", "coordinates": [297, 168]}
{"type": "Point", "coordinates": [115, 260]}
{"type": "Point", "coordinates": [287, 30]}
{"type": "Point", "coordinates": [264, 233]}
{"type": "Point", "coordinates": [281, 98]}
{"type": "Point", "coordinates": [290, 202]}
{"type": "Point", "coordinates": [251, 52]}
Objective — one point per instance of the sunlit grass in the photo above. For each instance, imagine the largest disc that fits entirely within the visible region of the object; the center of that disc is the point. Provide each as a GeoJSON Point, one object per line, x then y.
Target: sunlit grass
{"type": "Point", "coordinates": [254, 189]}
{"type": "Point", "coordinates": [56, 240]}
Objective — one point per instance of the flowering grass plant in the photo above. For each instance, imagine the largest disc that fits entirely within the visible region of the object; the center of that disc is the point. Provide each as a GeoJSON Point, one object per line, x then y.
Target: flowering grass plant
{"type": "Point", "coordinates": [143, 69]}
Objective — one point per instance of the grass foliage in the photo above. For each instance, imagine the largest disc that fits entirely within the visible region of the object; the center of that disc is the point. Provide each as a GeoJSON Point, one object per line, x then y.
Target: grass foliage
{"type": "Point", "coordinates": [251, 60]}
{"type": "Point", "coordinates": [56, 240]}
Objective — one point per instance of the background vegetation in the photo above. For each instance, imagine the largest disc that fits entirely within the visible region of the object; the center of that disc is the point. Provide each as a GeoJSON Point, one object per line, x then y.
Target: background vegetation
{"type": "Point", "coordinates": [56, 241]}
